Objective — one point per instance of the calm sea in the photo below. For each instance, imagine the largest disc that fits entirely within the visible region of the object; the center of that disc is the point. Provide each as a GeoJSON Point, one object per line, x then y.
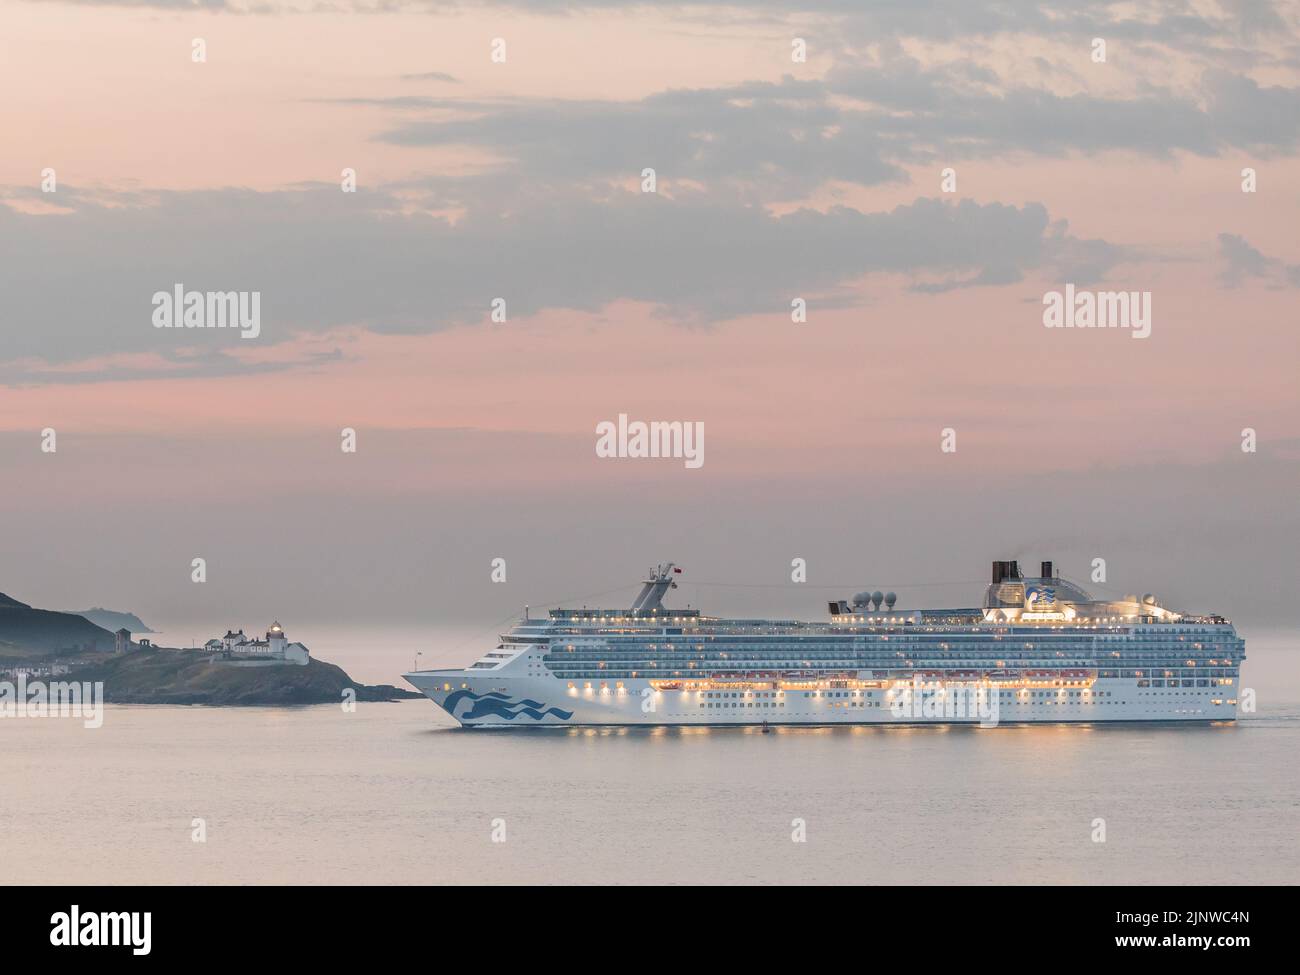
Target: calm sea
{"type": "Point", "coordinates": [393, 793]}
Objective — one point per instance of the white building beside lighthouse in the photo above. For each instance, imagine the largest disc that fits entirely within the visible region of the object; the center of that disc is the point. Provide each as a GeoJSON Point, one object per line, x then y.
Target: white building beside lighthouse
{"type": "Point", "coordinates": [274, 649]}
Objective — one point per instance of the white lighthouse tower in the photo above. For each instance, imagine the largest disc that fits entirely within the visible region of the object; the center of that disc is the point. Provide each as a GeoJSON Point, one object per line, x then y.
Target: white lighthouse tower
{"type": "Point", "coordinates": [275, 639]}
{"type": "Point", "coordinates": [278, 645]}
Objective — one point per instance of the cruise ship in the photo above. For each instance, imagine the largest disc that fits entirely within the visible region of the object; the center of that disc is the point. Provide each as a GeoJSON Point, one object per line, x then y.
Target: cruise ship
{"type": "Point", "coordinates": [1039, 649]}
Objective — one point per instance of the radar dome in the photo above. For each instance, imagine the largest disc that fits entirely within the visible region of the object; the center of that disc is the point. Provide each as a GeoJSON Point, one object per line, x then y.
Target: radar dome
{"type": "Point", "coordinates": [876, 598]}
{"type": "Point", "coordinates": [861, 600]}
{"type": "Point", "coordinates": [890, 599]}
{"type": "Point", "coordinates": [1149, 599]}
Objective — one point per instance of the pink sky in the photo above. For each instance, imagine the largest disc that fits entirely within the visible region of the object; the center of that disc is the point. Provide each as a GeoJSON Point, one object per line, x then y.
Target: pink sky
{"type": "Point", "coordinates": [849, 405]}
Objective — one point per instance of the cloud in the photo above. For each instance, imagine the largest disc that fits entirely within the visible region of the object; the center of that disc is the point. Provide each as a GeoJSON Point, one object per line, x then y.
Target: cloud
{"type": "Point", "coordinates": [1241, 262]}
{"type": "Point", "coordinates": [252, 6]}
{"type": "Point", "coordinates": [773, 140]}
{"type": "Point", "coordinates": [860, 125]}
{"type": "Point", "coordinates": [180, 363]}
{"type": "Point", "coordinates": [79, 284]}
{"type": "Point", "coordinates": [1171, 20]}
{"type": "Point", "coordinates": [431, 76]}
{"type": "Point", "coordinates": [1227, 33]}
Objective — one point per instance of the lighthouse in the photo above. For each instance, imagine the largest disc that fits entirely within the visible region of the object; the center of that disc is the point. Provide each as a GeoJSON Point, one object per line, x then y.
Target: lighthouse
{"type": "Point", "coordinates": [275, 639]}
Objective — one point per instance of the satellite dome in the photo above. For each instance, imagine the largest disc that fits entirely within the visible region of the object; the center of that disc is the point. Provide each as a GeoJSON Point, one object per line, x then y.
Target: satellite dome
{"type": "Point", "coordinates": [890, 599]}
{"type": "Point", "coordinates": [861, 600]}
{"type": "Point", "coordinates": [877, 598]}
{"type": "Point", "coordinates": [1149, 599]}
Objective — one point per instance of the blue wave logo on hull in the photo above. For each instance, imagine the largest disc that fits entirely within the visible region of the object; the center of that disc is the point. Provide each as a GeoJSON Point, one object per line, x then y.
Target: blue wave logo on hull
{"type": "Point", "coordinates": [498, 705]}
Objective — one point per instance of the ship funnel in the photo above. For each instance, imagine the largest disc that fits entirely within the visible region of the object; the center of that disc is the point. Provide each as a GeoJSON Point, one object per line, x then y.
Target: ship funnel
{"type": "Point", "coordinates": [1008, 571]}
{"type": "Point", "coordinates": [658, 582]}
{"type": "Point", "coordinates": [1047, 571]}
{"type": "Point", "coordinates": [1005, 571]}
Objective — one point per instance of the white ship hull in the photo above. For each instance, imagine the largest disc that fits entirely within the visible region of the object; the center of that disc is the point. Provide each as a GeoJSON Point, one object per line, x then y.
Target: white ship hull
{"type": "Point", "coordinates": [500, 700]}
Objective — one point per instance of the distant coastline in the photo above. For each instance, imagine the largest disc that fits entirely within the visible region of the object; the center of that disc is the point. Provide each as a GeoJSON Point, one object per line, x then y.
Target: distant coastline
{"type": "Point", "coordinates": [111, 620]}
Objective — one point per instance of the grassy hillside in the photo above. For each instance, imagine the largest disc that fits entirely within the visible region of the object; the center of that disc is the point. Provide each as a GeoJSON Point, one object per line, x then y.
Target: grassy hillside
{"type": "Point", "coordinates": [28, 632]}
{"type": "Point", "coordinates": [185, 677]}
